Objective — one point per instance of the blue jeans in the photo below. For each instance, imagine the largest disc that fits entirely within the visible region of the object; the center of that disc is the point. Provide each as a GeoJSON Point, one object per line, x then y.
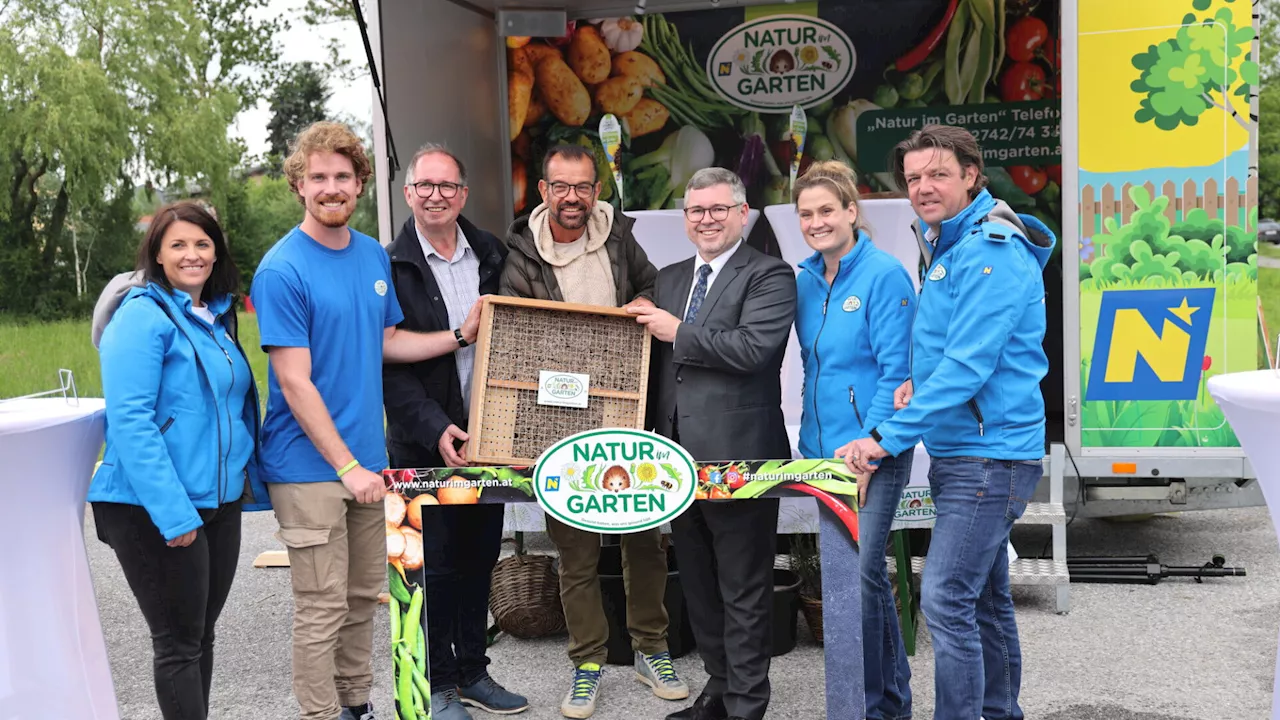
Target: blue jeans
{"type": "Point", "coordinates": [966, 598]}
{"type": "Point", "coordinates": [884, 658]}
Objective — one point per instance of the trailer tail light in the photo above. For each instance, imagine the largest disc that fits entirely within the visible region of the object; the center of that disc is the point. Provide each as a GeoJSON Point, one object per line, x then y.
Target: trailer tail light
{"type": "Point", "coordinates": [1124, 468]}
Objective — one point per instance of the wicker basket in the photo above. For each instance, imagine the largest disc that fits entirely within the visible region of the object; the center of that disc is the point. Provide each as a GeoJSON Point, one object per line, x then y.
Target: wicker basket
{"type": "Point", "coordinates": [525, 596]}
{"type": "Point", "coordinates": [812, 609]}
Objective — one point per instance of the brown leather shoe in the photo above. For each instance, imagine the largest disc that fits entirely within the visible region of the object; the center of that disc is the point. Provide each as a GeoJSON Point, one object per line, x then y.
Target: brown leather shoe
{"type": "Point", "coordinates": [704, 708]}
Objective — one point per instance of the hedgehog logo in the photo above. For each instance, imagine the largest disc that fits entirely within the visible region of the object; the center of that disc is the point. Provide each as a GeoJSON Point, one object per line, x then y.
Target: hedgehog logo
{"type": "Point", "coordinates": [616, 479]}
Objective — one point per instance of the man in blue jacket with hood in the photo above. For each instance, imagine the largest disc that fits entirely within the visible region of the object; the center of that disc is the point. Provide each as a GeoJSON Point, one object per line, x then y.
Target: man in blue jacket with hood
{"type": "Point", "coordinates": [973, 396]}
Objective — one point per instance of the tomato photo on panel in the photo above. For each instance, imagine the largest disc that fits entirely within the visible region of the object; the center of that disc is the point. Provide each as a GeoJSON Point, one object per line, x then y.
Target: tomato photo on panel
{"type": "Point", "coordinates": [1025, 37]}
{"type": "Point", "coordinates": [1029, 180]}
{"type": "Point", "coordinates": [1023, 81]}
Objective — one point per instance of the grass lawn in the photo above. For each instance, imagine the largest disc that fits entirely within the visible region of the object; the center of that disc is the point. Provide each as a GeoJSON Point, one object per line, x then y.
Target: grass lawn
{"type": "Point", "coordinates": [1269, 291]}
{"type": "Point", "coordinates": [32, 353]}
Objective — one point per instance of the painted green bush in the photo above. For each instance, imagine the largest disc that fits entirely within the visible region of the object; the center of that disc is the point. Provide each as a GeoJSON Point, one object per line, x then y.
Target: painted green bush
{"type": "Point", "coordinates": [1151, 246]}
{"type": "Point", "coordinates": [1154, 423]}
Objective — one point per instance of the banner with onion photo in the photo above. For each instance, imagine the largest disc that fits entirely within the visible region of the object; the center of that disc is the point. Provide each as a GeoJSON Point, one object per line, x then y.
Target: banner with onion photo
{"type": "Point", "coordinates": [610, 481]}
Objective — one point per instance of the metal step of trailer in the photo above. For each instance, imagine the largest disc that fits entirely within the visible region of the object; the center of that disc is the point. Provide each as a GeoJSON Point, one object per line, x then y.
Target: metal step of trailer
{"type": "Point", "coordinates": [1023, 571]}
{"type": "Point", "coordinates": [1046, 513]}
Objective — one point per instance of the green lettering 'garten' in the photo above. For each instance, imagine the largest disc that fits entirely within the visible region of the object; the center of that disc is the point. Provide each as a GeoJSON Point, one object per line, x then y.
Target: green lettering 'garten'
{"type": "Point", "coordinates": [641, 503]}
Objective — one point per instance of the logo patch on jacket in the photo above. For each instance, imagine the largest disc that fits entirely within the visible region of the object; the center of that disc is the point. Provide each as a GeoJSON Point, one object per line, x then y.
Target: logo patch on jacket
{"type": "Point", "coordinates": [986, 270]}
{"type": "Point", "coordinates": [380, 287]}
{"type": "Point", "coordinates": [938, 273]}
{"type": "Point", "coordinates": [852, 303]}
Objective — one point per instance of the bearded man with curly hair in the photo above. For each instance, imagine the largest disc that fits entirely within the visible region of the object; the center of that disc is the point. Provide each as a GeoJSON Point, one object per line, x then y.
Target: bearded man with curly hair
{"type": "Point", "coordinates": [328, 316]}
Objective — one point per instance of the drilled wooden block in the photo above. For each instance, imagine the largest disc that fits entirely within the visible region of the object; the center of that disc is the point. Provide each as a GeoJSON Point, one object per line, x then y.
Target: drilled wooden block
{"type": "Point", "coordinates": [519, 339]}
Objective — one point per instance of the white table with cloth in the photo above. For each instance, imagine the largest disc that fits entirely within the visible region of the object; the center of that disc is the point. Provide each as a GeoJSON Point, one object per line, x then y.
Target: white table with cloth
{"type": "Point", "coordinates": [1251, 403]}
{"type": "Point", "coordinates": [53, 658]}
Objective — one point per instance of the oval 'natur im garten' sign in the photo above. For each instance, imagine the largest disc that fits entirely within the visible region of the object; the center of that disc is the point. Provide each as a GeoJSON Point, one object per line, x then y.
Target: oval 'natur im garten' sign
{"type": "Point", "coordinates": [774, 63]}
{"type": "Point", "coordinates": [615, 481]}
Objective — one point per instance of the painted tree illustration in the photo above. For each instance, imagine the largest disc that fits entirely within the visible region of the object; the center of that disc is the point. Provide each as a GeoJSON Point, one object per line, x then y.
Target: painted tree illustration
{"type": "Point", "coordinates": [1186, 75]}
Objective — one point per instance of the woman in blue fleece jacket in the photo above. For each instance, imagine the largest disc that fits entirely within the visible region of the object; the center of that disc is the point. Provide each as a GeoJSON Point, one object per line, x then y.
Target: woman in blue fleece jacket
{"type": "Point", "coordinates": [181, 447]}
{"type": "Point", "coordinates": [853, 322]}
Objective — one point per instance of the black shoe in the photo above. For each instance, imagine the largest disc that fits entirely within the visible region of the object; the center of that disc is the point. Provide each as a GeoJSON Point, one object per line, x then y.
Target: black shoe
{"type": "Point", "coordinates": [358, 712]}
{"type": "Point", "coordinates": [705, 707]}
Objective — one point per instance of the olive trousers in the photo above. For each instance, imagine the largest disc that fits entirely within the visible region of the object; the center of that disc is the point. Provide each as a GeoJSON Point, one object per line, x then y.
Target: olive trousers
{"type": "Point", "coordinates": [644, 573]}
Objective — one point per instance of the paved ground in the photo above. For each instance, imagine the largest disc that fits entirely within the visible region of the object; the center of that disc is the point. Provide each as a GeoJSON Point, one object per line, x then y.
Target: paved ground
{"type": "Point", "coordinates": [1176, 651]}
{"type": "Point", "coordinates": [1268, 262]}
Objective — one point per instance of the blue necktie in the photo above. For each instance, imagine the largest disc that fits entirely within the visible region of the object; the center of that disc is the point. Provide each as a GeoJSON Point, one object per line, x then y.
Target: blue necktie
{"type": "Point", "coordinates": [699, 294]}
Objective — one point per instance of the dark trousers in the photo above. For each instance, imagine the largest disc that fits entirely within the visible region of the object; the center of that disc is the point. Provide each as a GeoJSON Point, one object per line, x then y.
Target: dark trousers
{"type": "Point", "coordinates": [725, 551]}
{"type": "Point", "coordinates": [460, 546]}
{"type": "Point", "coordinates": [181, 591]}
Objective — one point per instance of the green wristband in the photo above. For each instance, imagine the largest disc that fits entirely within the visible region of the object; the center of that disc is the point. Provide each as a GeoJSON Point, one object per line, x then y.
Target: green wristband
{"type": "Point", "coordinates": [349, 467]}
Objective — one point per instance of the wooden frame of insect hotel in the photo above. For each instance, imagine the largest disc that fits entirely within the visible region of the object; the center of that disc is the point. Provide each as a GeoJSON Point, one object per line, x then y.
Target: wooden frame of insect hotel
{"type": "Point", "coordinates": [531, 356]}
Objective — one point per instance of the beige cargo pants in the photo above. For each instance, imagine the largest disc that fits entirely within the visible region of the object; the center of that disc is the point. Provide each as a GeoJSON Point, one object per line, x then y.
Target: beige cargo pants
{"type": "Point", "coordinates": [338, 560]}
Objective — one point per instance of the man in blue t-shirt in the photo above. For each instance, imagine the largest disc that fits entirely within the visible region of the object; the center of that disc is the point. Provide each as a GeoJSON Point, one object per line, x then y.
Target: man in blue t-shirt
{"type": "Point", "coordinates": [327, 313]}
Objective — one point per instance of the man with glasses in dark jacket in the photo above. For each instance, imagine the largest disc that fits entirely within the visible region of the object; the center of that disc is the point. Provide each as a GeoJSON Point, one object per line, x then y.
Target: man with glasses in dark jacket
{"type": "Point", "coordinates": [440, 265]}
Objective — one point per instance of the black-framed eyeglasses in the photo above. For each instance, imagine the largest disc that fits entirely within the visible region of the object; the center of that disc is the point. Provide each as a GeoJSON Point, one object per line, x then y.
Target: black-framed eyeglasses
{"type": "Point", "coordinates": [718, 212]}
{"type": "Point", "coordinates": [447, 189]}
{"type": "Point", "coordinates": [583, 190]}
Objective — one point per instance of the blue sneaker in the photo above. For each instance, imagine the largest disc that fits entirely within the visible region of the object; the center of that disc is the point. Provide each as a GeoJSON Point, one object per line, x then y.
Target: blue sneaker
{"type": "Point", "coordinates": [445, 705]}
{"type": "Point", "coordinates": [658, 673]}
{"type": "Point", "coordinates": [485, 693]}
{"type": "Point", "coordinates": [581, 700]}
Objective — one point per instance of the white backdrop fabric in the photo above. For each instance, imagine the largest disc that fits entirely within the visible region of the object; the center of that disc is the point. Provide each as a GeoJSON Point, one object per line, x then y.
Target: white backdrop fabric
{"type": "Point", "coordinates": [1251, 403]}
{"type": "Point", "coordinates": [53, 659]}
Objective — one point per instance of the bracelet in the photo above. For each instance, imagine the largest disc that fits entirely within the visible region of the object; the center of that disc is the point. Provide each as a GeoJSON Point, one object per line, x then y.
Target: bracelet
{"type": "Point", "coordinates": [348, 467]}
{"type": "Point", "coordinates": [458, 334]}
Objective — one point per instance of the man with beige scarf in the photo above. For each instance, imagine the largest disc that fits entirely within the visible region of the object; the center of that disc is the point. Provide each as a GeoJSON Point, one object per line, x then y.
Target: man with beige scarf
{"type": "Point", "coordinates": [573, 249]}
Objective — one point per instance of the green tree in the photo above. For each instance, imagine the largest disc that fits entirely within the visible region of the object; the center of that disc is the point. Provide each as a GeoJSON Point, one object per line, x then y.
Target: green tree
{"type": "Point", "coordinates": [1268, 171]}
{"type": "Point", "coordinates": [296, 102]}
{"type": "Point", "coordinates": [1191, 72]}
{"type": "Point", "coordinates": [339, 16]}
{"type": "Point", "coordinates": [101, 93]}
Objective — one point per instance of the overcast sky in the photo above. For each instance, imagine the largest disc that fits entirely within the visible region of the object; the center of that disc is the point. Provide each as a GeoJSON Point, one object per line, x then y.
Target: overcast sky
{"type": "Point", "coordinates": [303, 42]}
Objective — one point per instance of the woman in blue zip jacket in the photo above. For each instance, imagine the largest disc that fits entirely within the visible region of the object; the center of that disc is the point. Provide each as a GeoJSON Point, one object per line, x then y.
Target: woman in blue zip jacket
{"type": "Point", "coordinates": [181, 447]}
{"type": "Point", "coordinates": [853, 322]}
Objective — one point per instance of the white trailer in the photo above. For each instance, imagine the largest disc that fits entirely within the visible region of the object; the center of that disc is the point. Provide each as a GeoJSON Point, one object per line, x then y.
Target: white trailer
{"type": "Point", "coordinates": [1152, 182]}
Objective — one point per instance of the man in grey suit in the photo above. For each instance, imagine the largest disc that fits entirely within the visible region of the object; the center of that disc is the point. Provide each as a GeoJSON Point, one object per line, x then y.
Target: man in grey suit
{"type": "Point", "coordinates": [721, 323]}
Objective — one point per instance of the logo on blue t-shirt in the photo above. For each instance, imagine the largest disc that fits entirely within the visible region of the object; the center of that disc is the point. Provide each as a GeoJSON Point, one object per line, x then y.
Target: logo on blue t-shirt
{"type": "Point", "coordinates": [380, 287]}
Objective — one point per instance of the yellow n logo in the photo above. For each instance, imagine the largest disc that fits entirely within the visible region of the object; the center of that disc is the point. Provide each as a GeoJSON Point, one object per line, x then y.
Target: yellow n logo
{"type": "Point", "coordinates": [1150, 344]}
{"type": "Point", "coordinates": [1166, 353]}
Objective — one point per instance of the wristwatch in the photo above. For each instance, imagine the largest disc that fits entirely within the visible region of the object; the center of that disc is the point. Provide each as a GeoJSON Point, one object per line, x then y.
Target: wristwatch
{"type": "Point", "coordinates": [458, 334]}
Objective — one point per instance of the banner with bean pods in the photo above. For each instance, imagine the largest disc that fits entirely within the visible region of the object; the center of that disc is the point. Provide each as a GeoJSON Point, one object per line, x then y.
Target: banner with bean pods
{"type": "Point", "coordinates": [595, 487]}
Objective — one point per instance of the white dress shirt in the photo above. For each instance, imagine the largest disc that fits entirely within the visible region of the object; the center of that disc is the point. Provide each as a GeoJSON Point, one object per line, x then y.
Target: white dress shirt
{"type": "Point", "coordinates": [716, 266]}
{"type": "Point", "coordinates": [459, 280]}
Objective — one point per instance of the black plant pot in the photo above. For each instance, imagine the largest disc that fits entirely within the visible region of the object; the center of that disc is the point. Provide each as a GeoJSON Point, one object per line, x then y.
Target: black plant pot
{"type": "Point", "coordinates": [679, 632]}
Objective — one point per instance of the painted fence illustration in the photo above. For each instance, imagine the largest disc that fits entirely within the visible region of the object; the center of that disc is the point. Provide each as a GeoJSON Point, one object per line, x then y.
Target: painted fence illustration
{"type": "Point", "coordinates": [1232, 206]}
